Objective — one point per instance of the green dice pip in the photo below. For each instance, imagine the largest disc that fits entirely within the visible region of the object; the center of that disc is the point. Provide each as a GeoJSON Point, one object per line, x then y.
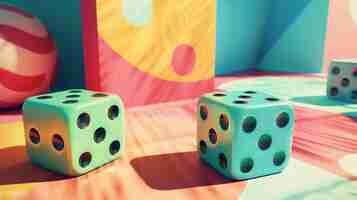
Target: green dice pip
{"type": "Point", "coordinates": [75, 131]}
{"type": "Point", "coordinates": [245, 134]}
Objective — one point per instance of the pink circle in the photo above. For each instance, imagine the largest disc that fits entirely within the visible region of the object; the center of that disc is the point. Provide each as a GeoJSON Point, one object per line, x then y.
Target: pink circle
{"type": "Point", "coordinates": [183, 59]}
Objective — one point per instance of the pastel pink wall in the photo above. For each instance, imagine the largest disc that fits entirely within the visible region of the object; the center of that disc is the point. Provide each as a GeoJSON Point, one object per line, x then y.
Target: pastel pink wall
{"type": "Point", "coordinates": [342, 31]}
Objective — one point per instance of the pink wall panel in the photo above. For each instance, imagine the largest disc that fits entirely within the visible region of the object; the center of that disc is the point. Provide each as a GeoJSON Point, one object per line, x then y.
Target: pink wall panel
{"type": "Point", "coordinates": [342, 31]}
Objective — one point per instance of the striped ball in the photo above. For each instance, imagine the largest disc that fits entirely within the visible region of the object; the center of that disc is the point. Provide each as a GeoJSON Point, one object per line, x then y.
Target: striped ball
{"type": "Point", "coordinates": [28, 56]}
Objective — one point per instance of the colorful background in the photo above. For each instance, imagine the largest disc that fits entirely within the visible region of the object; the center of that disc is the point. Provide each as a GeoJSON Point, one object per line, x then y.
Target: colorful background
{"type": "Point", "coordinates": [239, 35]}
{"type": "Point", "coordinates": [161, 160]}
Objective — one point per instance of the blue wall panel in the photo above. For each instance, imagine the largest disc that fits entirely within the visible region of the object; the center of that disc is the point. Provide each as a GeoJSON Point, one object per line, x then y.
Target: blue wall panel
{"type": "Point", "coordinates": [271, 35]}
{"type": "Point", "coordinates": [240, 29]}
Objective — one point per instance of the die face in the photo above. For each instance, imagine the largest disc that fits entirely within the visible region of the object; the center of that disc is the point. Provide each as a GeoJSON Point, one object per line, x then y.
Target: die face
{"type": "Point", "coordinates": [342, 81]}
{"type": "Point", "coordinates": [254, 133]}
{"type": "Point", "coordinates": [263, 141]}
{"type": "Point", "coordinates": [214, 136]}
{"type": "Point", "coordinates": [239, 100]}
{"type": "Point", "coordinates": [89, 129]}
{"type": "Point", "coordinates": [46, 133]}
{"type": "Point", "coordinates": [68, 100]}
{"type": "Point", "coordinates": [96, 134]}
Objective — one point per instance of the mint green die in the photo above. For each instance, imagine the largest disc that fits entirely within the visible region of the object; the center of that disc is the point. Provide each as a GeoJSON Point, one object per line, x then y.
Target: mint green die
{"type": "Point", "coordinates": [245, 134]}
{"type": "Point", "coordinates": [342, 81]}
{"type": "Point", "coordinates": [75, 131]}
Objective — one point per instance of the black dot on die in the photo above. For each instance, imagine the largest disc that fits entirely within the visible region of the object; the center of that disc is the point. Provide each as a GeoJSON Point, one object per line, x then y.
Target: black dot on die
{"type": "Point", "coordinates": [213, 136]}
{"type": "Point", "coordinates": [336, 70]}
{"type": "Point", "coordinates": [203, 147]}
{"type": "Point", "coordinates": [223, 162]}
{"type": "Point", "coordinates": [83, 120]}
{"type": "Point", "coordinates": [34, 135]}
{"type": "Point", "coordinates": [70, 102]}
{"type": "Point", "coordinates": [249, 124]}
{"type": "Point", "coordinates": [245, 97]}
{"type": "Point", "coordinates": [282, 120]}
{"type": "Point", "coordinates": [204, 112]}
{"type": "Point", "coordinates": [265, 142]}
{"type": "Point", "coordinates": [272, 99]}
{"type": "Point", "coordinates": [114, 147]}
{"type": "Point", "coordinates": [250, 92]}
{"type": "Point", "coordinates": [219, 95]}
{"type": "Point", "coordinates": [57, 142]}
{"type": "Point", "coordinates": [44, 97]}
{"type": "Point", "coordinates": [246, 165]}
{"type": "Point", "coordinates": [73, 96]}
{"type": "Point", "coordinates": [100, 95]}
{"type": "Point", "coordinates": [240, 102]}
{"type": "Point", "coordinates": [224, 122]}
{"type": "Point", "coordinates": [334, 91]}
{"type": "Point", "coordinates": [345, 82]}
{"type": "Point", "coordinates": [113, 112]}
{"type": "Point", "coordinates": [279, 158]}
{"type": "Point", "coordinates": [99, 135]}
{"type": "Point", "coordinates": [85, 159]}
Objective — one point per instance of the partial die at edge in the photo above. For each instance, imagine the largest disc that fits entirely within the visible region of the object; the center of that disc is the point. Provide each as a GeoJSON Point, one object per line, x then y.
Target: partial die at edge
{"type": "Point", "coordinates": [342, 81]}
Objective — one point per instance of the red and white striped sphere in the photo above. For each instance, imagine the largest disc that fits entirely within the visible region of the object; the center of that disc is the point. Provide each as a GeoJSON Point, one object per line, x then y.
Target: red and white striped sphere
{"type": "Point", "coordinates": [28, 56]}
